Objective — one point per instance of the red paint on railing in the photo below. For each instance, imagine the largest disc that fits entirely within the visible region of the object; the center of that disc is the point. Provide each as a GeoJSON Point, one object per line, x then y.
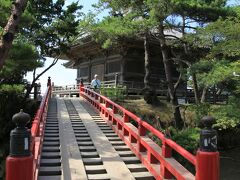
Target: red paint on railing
{"type": "Point", "coordinates": [37, 130]}
{"type": "Point", "coordinates": [158, 160]}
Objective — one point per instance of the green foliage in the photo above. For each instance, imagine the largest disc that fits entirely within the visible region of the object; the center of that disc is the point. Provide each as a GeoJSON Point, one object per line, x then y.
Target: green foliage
{"type": "Point", "coordinates": [189, 139]}
{"type": "Point", "coordinates": [23, 57]}
{"type": "Point", "coordinates": [50, 25]}
{"type": "Point", "coordinates": [200, 110]}
{"type": "Point", "coordinates": [114, 93]}
{"type": "Point", "coordinates": [11, 101]}
{"type": "Point", "coordinates": [15, 88]}
{"type": "Point", "coordinates": [228, 116]}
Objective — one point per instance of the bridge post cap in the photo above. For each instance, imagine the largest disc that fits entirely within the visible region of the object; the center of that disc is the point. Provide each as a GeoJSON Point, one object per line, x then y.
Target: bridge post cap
{"type": "Point", "coordinates": [208, 121]}
{"type": "Point", "coordinates": [21, 118]}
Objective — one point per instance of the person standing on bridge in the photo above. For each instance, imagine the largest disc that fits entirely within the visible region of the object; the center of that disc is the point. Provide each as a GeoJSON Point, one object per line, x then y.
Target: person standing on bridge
{"type": "Point", "coordinates": [96, 83]}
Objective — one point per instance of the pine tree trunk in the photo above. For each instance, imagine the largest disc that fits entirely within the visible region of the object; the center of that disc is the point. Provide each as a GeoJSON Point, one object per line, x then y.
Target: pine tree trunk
{"type": "Point", "coordinates": [204, 92]}
{"type": "Point", "coordinates": [146, 62]}
{"type": "Point", "coordinates": [195, 88]}
{"type": "Point", "coordinates": [149, 92]}
{"type": "Point", "coordinates": [168, 73]}
{"type": "Point", "coordinates": [10, 29]}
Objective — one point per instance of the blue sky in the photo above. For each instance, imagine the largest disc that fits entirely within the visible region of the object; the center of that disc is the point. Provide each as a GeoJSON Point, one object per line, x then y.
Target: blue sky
{"type": "Point", "coordinates": [59, 74]}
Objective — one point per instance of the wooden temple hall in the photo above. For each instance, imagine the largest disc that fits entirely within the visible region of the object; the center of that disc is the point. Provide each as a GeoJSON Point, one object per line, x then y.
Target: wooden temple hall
{"type": "Point", "coordinates": [126, 59]}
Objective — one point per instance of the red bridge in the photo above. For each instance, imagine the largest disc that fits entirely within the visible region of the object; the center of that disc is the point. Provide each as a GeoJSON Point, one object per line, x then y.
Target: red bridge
{"type": "Point", "coordinates": [91, 137]}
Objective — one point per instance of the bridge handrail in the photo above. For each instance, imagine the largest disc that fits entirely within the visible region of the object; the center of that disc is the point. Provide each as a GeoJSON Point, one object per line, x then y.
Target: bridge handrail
{"type": "Point", "coordinates": [168, 144]}
{"type": "Point", "coordinates": [37, 130]}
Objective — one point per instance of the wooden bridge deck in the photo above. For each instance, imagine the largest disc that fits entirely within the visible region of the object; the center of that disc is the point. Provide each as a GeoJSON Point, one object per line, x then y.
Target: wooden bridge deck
{"type": "Point", "coordinates": [78, 144]}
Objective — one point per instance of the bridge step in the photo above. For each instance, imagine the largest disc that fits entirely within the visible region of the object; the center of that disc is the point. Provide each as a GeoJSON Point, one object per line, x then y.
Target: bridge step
{"type": "Point", "coordinates": [51, 135]}
{"type": "Point", "coordinates": [126, 153]}
{"type": "Point", "coordinates": [55, 143]}
{"type": "Point", "coordinates": [51, 131]}
{"type": "Point", "coordinates": [87, 148]}
{"type": "Point", "coordinates": [50, 178]}
{"type": "Point", "coordinates": [111, 135]}
{"type": "Point", "coordinates": [51, 127]}
{"type": "Point", "coordinates": [118, 143]}
{"type": "Point", "coordinates": [131, 160]}
{"type": "Point", "coordinates": [122, 148]}
{"type": "Point", "coordinates": [143, 176]}
{"type": "Point", "coordinates": [89, 154]}
{"type": "Point", "coordinates": [50, 171]}
{"type": "Point", "coordinates": [50, 155]}
{"type": "Point", "coordinates": [98, 169]}
{"type": "Point", "coordinates": [50, 162]}
{"type": "Point", "coordinates": [50, 149]}
{"type": "Point", "coordinates": [98, 177]}
{"type": "Point", "coordinates": [136, 168]}
{"type": "Point", "coordinates": [51, 138]}
{"type": "Point", "coordinates": [92, 161]}
{"type": "Point", "coordinates": [90, 143]}
{"type": "Point", "coordinates": [114, 139]}
{"type": "Point", "coordinates": [81, 135]}
{"type": "Point", "coordinates": [82, 139]}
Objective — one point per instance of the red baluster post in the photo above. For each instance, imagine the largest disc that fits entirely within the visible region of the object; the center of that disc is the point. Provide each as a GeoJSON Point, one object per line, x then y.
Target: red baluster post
{"type": "Point", "coordinates": [19, 163]}
{"type": "Point", "coordinates": [167, 153]}
{"type": "Point", "coordinates": [81, 86]}
{"type": "Point", "coordinates": [207, 167]}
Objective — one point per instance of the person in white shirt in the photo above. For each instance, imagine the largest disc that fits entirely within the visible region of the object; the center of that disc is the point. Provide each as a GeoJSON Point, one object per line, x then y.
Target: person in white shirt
{"type": "Point", "coordinates": [96, 83]}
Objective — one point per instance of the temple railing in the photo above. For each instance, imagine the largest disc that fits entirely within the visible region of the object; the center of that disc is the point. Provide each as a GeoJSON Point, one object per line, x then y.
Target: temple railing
{"type": "Point", "coordinates": [157, 159]}
{"type": "Point", "coordinates": [37, 130]}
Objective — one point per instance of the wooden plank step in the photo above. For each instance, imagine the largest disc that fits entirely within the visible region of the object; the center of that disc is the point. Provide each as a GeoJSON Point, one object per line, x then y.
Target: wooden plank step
{"type": "Point", "coordinates": [78, 124]}
{"type": "Point", "coordinates": [105, 128]}
{"type": "Point", "coordinates": [108, 131]}
{"type": "Point", "coordinates": [50, 155]}
{"type": "Point", "coordinates": [50, 138]}
{"type": "Point", "coordinates": [88, 143]}
{"type": "Point", "coordinates": [51, 131]}
{"type": "Point", "coordinates": [87, 148]}
{"type": "Point", "coordinates": [51, 128]}
{"type": "Point", "coordinates": [143, 176]}
{"type": "Point", "coordinates": [114, 139]}
{"type": "Point", "coordinates": [126, 154]}
{"type": "Point", "coordinates": [50, 149]}
{"type": "Point", "coordinates": [79, 129]}
{"type": "Point", "coordinates": [80, 132]}
{"type": "Point", "coordinates": [50, 162]}
{"type": "Point", "coordinates": [82, 139]}
{"type": "Point", "coordinates": [82, 135]}
{"type": "Point", "coordinates": [90, 154]}
{"type": "Point", "coordinates": [136, 167]}
{"type": "Point", "coordinates": [122, 148]}
{"type": "Point", "coordinates": [131, 160]}
{"type": "Point", "coordinates": [51, 135]}
{"type": "Point", "coordinates": [118, 143]}
{"type": "Point", "coordinates": [98, 177]}
{"type": "Point", "coordinates": [56, 177]}
{"type": "Point", "coordinates": [51, 125]}
{"type": "Point", "coordinates": [111, 135]}
{"type": "Point", "coordinates": [92, 161]}
{"type": "Point", "coordinates": [47, 143]}
{"type": "Point", "coordinates": [97, 169]}
{"type": "Point", "coordinates": [50, 171]}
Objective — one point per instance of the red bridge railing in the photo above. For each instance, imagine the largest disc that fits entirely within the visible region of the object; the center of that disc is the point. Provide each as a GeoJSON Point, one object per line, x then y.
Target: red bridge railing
{"type": "Point", "coordinates": [158, 160]}
{"type": "Point", "coordinates": [37, 131]}
{"type": "Point", "coordinates": [25, 166]}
